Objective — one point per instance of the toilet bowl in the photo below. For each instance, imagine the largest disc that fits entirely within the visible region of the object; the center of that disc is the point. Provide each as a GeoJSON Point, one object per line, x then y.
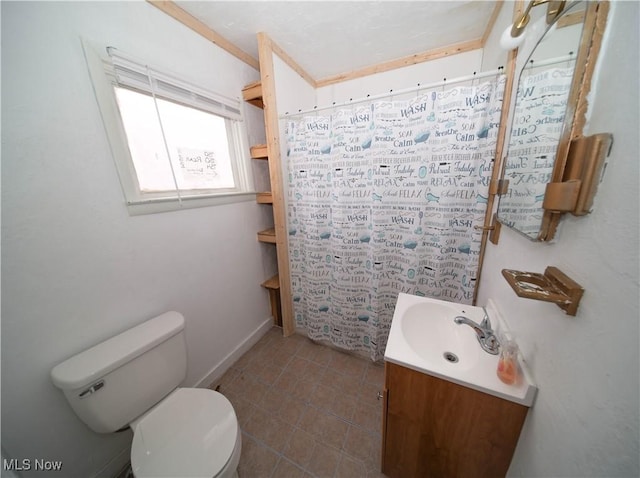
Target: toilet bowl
{"type": "Point", "coordinates": [192, 432]}
{"type": "Point", "coordinates": [132, 380]}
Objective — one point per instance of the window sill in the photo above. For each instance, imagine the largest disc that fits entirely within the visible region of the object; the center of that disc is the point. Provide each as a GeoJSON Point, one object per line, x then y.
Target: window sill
{"type": "Point", "coordinates": [157, 205]}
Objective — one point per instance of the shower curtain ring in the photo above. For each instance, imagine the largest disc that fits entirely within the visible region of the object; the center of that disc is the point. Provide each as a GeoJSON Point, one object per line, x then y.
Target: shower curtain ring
{"type": "Point", "coordinates": [569, 59]}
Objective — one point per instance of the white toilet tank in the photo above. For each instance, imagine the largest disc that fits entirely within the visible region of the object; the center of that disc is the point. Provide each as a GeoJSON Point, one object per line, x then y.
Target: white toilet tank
{"type": "Point", "coordinates": [119, 379]}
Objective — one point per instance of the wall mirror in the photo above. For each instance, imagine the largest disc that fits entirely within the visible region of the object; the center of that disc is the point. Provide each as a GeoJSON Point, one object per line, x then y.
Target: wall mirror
{"type": "Point", "coordinates": [549, 113]}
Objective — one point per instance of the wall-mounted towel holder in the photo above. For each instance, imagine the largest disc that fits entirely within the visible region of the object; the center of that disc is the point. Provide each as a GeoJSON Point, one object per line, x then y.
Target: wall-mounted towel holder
{"type": "Point", "coordinates": [552, 286]}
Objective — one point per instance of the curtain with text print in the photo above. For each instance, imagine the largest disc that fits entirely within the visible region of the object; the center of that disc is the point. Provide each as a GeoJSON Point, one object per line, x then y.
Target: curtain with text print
{"type": "Point", "coordinates": [383, 198]}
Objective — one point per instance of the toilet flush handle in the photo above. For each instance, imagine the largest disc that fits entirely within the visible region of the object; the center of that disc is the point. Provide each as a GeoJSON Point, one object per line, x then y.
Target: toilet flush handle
{"type": "Point", "coordinates": [93, 388]}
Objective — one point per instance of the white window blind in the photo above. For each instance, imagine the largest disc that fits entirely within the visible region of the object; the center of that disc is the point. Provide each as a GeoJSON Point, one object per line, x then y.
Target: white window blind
{"type": "Point", "coordinates": [135, 74]}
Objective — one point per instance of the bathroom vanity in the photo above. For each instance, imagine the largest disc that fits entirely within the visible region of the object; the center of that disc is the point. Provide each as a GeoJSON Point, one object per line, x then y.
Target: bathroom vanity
{"type": "Point", "coordinates": [435, 428]}
{"type": "Point", "coordinates": [445, 412]}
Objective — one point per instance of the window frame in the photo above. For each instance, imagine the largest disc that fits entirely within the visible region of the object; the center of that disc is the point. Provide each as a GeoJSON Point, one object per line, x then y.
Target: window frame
{"type": "Point", "coordinates": [104, 72]}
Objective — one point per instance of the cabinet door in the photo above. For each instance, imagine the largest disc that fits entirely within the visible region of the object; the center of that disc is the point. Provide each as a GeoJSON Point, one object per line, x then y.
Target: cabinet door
{"type": "Point", "coordinates": [435, 428]}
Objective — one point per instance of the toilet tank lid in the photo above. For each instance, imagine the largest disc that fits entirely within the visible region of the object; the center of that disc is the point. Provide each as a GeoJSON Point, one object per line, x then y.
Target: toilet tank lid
{"type": "Point", "coordinates": [88, 366]}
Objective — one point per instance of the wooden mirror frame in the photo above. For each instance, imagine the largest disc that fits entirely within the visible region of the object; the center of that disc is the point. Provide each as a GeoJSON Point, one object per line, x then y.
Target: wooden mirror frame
{"type": "Point", "coordinates": [595, 18]}
{"type": "Point", "coordinates": [577, 104]}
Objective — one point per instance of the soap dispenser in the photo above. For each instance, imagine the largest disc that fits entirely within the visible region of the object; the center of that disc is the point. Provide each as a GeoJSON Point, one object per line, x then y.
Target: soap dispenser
{"type": "Point", "coordinates": [508, 370]}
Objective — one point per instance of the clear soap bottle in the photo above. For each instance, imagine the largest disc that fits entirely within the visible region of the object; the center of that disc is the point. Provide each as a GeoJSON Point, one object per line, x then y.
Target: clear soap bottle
{"type": "Point", "coordinates": [508, 370]}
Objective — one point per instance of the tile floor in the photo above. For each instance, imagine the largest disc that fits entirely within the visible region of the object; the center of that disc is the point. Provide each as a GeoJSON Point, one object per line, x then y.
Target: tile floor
{"type": "Point", "coordinates": [305, 410]}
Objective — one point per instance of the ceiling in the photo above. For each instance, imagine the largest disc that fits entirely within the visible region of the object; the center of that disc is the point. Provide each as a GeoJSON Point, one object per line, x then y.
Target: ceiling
{"type": "Point", "coordinates": [328, 38]}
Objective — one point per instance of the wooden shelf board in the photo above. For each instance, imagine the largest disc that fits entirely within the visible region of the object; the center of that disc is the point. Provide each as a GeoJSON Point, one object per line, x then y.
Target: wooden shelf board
{"type": "Point", "coordinates": [264, 198]}
{"type": "Point", "coordinates": [272, 283]}
{"type": "Point", "coordinates": [268, 235]}
{"type": "Point", "coordinates": [259, 151]}
{"type": "Point", "coordinates": [253, 94]}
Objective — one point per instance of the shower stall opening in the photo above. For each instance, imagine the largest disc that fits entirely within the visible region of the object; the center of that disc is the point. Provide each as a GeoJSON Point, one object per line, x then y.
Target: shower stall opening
{"type": "Point", "coordinates": [383, 197]}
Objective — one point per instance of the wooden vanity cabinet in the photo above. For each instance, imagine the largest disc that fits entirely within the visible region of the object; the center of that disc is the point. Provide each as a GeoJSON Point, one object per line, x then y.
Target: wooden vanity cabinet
{"type": "Point", "coordinates": [435, 428]}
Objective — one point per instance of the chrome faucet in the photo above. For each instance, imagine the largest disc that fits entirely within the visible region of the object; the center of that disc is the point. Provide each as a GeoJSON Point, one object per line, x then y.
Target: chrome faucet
{"type": "Point", "coordinates": [485, 335]}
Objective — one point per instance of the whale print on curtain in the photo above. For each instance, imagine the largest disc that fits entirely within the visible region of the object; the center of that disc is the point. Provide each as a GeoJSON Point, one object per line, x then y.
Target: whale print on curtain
{"type": "Point", "coordinates": [383, 198]}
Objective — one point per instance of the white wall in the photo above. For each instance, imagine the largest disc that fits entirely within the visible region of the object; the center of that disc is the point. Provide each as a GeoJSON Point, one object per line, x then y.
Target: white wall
{"type": "Point", "coordinates": [433, 71]}
{"type": "Point", "coordinates": [585, 420]}
{"type": "Point", "coordinates": [76, 268]}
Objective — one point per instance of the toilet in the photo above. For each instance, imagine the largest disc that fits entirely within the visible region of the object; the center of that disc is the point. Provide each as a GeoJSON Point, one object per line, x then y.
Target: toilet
{"type": "Point", "coordinates": [131, 380]}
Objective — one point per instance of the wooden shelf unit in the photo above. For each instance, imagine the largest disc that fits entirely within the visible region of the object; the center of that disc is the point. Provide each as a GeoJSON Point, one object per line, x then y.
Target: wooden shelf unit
{"type": "Point", "coordinates": [268, 235]}
{"type": "Point", "coordinates": [264, 198]}
{"type": "Point", "coordinates": [253, 94]}
{"type": "Point", "coordinates": [273, 286]}
{"type": "Point", "coordinates": [263, 95]}
{"type": "Point", "coordinates": [259, 151]}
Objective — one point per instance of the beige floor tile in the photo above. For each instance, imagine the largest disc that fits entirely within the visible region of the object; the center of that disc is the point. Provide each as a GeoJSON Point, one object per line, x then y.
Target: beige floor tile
{"type": "Point", "coordinates": [272, 400]}
{"type": "Point", "coordinates": [277, 357]}
{"type": "Point", "coordinates": [291, 410]}
{"type": "Point", "coordinates": [368, 394]}
{"type": "Point", "coordinates": [361, 444]}
{"type": "Point", "coordinates": [243, 408]}
{"type": "Point", "coordinates": [269, 373]}
{"type": "Point", "coordinates": [286, 469]}
{"type": "Point", "coordinates": [350, 385]}
{"type": "Point", "coordinates": [286, 382]}
{"type": "Point", "coordinates": [375, 473]}
{"type": "Point", "coordinates": [331, 379]}
{"type": "Point", "coordinates": [315, 371]}
{"type": "Point", "coordinates": [300, 447]}
{"type": "Point", "coordinates": [368, 417]}
{"type": "Point", "coordinates": [298, 367]}
{"type": "Point", "coordinates": [324, 462]}
{"type": "Point", "coordinates": [311, 422]}
{"type": "Point", "coordinates": [333, 430]}
{"type": "Point", "coordinates": [290, 344]}
{"type": "Point", "coordinates": [262, 345]}
{"type": "Point", "coordinates": [256, 460]}
{"type": "Point", "coordinates": [249, 388]}
{"type": "Point", "coordinates": [374, 465]}
{"type": "Point", "coordinates": [254, 368]}
{"type": "Point", "coordinates": [307, 409]}
{"type": "Point", "coordinates": [349, 365]}
{"type": "Point", "coordinates": [275, 333]}
{"type": "Point", "coordinates": [269, 429]}
{"type": "Point", "coordinates": [322, 396]}
{"type": "Point", "coordinates": [308, 349]}
{"type": "Point", "coordinates": [324, 355]}
{"type": "Point", "coordinates": [304, 389]}
{"type": "Point", "coordinates": [344, 384]}
{"type": "Point", "coordinates": [349, 467]}
{"type": "Point", "coordinates": [229, 376]}
{"type": "Point", "coordinates": [343, 406]}
{"type": "Point", "coordinates": [374, 374]}
{"type": "Point", "coordinates": [245, 360]}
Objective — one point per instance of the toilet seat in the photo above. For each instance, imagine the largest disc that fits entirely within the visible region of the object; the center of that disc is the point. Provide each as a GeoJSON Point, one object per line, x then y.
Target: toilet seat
{"type": "Point", "coordinates": [191, 433]}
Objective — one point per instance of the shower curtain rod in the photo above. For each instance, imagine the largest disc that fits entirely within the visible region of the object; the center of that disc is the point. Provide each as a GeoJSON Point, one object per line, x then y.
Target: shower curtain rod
{"type": "Point", "coordinates": [419, 87]}
{"type": "Point", "coordinates": [550, 61]}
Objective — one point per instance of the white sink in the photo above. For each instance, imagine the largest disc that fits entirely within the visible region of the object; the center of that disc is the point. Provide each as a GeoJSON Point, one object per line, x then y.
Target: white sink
{"type": "Point", "coordinates": [425, 338]}
{"type": "Point", "coordinates": [434, 336]}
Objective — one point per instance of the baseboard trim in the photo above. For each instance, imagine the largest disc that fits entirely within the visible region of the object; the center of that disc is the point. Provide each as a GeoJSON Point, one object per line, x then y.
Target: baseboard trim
{"type": "Point", "coordinates": [116, 466]}
{"type": "Point", "coordinates": [221, 367]}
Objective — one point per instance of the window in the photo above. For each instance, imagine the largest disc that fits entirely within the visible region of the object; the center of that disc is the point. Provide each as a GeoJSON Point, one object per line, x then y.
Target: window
{"type": "Point", "coordinates": [175, 144]}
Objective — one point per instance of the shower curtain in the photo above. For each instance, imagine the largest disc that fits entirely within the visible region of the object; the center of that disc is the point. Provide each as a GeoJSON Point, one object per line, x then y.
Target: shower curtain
{"type": "Point", "coordinates": [383, 198]}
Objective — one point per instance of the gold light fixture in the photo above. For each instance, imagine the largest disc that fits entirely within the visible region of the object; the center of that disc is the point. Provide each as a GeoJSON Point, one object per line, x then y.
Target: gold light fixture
{"type": "Point", "coordinates": [554, 8]}
{"type": "Point", "coordinates": [512, 37]}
